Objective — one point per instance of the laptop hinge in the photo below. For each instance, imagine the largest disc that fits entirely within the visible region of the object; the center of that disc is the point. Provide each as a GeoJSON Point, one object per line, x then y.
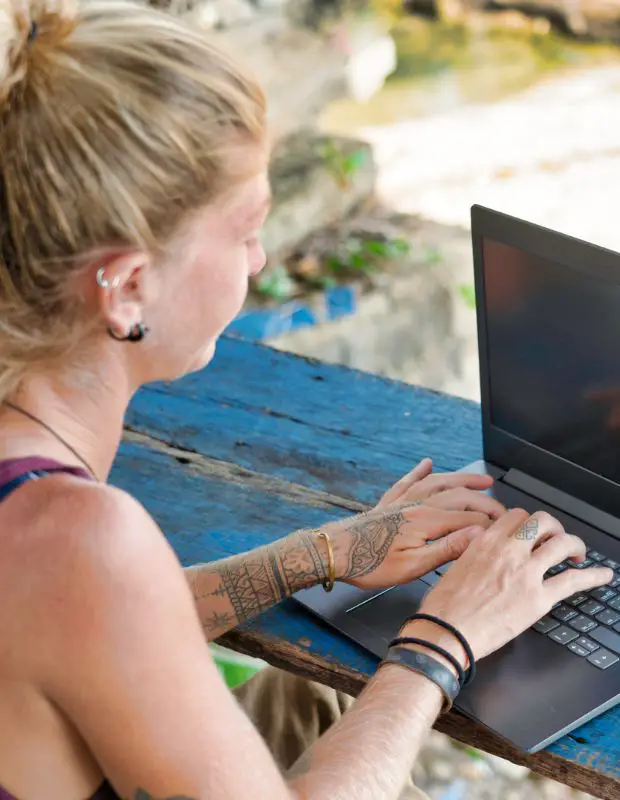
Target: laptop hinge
{"type": "Point", "coordinates": [562, 501]}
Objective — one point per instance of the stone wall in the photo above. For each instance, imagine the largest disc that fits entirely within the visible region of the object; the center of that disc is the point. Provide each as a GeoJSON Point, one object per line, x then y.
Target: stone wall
{"type": "Point", "coordinates": [595, 19]}
{"type": "Point", "coordinates": [413, 324]}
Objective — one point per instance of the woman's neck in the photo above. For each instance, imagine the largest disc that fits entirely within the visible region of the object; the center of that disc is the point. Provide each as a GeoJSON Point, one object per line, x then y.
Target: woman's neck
{"type": "Point", "coordinates": [90, 422]}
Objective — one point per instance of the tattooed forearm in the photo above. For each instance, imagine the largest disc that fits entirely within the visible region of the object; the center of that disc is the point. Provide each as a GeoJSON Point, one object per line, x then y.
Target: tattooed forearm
{"type": "Point", "coordinates": [371, 541]}
{"type": "Point", "coordinates": [236, 589]}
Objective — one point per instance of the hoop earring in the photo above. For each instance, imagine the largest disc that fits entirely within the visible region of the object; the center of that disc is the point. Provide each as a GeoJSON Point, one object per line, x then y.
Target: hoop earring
{"type": "Point", "coordinates": [136, 333]}
{"type": "Point", "coordinates": [104, 282]}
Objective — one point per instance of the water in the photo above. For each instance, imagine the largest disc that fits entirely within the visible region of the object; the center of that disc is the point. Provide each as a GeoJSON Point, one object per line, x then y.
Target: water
{"type": "Point", "coordinates": [525, 122]}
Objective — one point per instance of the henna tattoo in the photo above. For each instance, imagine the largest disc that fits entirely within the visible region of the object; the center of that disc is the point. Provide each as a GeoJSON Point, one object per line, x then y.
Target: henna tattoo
{"type": "Point", "coordinates": [278, 573]}
{"type": "Point", "coordinates": [529, 531]}
{"type": "Point", "coordinates": [251, 587]}
{"type": "Point", "coordinates": [372, 539]}
{"type": "Point", "coordinates": [236, 589]}
{"type": "Point", "coordinates": [302, 562]}
{"type": "Point", "coordinates": [217, 621]}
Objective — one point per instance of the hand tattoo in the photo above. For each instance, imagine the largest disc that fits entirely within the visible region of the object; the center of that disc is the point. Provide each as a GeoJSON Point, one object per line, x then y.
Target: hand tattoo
{"type": "Point", "coordinates": [529, 531]}
{"type": "Point", "coordinates": [372, 539]}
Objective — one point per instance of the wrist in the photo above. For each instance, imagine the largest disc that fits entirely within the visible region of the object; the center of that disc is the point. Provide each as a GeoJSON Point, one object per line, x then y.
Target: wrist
{"type": "Point", "coordinates": [423, 629]}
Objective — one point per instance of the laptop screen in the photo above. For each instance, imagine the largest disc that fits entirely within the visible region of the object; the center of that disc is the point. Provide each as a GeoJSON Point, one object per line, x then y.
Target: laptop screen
{"type": "Point", "coordinates": [553, 339]}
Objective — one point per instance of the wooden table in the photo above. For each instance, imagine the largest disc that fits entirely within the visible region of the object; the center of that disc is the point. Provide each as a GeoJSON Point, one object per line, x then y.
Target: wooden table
{"type": "Point", "coordinates": [263, 443]}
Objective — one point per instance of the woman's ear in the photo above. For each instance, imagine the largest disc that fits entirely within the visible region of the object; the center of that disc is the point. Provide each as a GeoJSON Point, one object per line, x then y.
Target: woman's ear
{"type": "Point", "coordinates": [124, 286]}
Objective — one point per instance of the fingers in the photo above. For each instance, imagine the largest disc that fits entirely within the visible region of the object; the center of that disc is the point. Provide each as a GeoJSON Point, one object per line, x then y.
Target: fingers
{"type": "Point", "coordinates": [446, 522]}
{"type": "Point", "coordinates": [519, 526]}
{"type": "Point", "coordinates": [572, 581]}
{"type": "Point", "coordinates": [467, 500]}
{"type": "Point", "coordinates": [558, 548]}
{"type": "Point", "coordinates": [450, 547]}
{"type": "Point", "coordinates": [441, 481]}
{"type": "Point", "coordinates": [418, 473]}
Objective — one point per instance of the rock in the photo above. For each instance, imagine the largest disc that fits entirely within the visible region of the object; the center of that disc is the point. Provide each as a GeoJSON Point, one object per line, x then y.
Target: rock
{"type": "Point", "coordinates": [315, 181]}
{"type": "Point", "coordinates": [232, 12]}
{"type": "Point", "coordinates": [598, 19]}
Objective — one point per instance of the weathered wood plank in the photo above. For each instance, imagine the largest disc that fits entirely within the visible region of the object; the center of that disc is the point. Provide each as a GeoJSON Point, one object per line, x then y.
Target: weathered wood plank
{"type": "Point", "coordinates": [325, 427]}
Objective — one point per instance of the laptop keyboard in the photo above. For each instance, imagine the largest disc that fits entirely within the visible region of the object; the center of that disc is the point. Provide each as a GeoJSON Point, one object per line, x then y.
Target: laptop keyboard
{"type": "Point", "coordinates": [588, 623]}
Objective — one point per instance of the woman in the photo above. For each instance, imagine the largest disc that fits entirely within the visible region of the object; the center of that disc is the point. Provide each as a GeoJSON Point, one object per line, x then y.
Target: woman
{"type": "Point", "coordinates": [133, 188]}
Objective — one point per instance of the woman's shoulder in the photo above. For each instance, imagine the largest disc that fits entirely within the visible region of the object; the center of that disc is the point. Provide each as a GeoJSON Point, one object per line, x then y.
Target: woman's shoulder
{"type": "Point", "coordinates": [87, 561]}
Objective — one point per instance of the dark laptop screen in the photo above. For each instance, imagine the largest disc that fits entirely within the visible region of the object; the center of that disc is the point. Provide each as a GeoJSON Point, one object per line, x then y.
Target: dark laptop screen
{"type": "Point", "coordinates": [553, 336]}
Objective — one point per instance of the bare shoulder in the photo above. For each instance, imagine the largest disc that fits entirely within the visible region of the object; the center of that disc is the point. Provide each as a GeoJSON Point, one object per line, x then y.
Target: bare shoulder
{"type": "Point", "coordinates": [88, 556]}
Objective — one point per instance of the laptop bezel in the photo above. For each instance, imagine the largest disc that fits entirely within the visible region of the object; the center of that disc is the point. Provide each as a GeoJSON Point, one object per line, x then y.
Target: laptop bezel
{"type": "Point", "coordinates": [501, 447]}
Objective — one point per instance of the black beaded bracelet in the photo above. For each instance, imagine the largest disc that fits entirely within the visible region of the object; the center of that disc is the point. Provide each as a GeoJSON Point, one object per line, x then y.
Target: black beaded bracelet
{"type": "Point", "coordinates": [438, 673]}
{"type": "Point", "coordinates": [470, 673]}
{"type": "Point", "coordinates": [432, 646]}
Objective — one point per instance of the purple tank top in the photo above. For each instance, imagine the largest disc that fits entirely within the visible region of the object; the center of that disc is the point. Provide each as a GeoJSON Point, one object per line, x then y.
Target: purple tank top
{"type": "Point", "coordinates": [14, 474]}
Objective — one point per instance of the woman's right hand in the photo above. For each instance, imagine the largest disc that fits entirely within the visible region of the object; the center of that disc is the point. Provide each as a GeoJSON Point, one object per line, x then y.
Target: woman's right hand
{"type": "Point", "coordinates": [496, 589]}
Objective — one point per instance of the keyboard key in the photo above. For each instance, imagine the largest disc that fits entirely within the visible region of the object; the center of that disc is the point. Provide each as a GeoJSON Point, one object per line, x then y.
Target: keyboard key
{"type": "Point", "coordinates": [545, 625]}
{"type": "Point", "coordinates": [608, 617]}
{"type": "Point", "coordinates": [607, 638]}
{"type": "Point", "coordinates": [564, 613]}
{"type": "Point", "coordinates": [615, 603]}
{"type": "Point", "coordinates": [576, 599]}
{"type": "Point", "coordinates": [587, 562]}
{"type": "Point", "coordinates": [562, 635]}
{"type": "Point", "coordinates": [615, 583]}
{"type": "Point", "coordinates": [431, 578]}
{"type": "Point", "coordinates": [595, 556]}
{"type": "Point", "coordinates": [603, 594]}
{"type": "Point", "coordinates": [603, 658]}
{"type": "Point", "coordinates": [556, 569]}
{"type": "Point", "coordinates": [609, 562]}
{"type": "Point", "coordinates": [575, 648]}
{"type": "Point", "coordinates": [582, 624]}
{"type": "Point", "coordinates": [444, 567]}
{"type": "Point", "coordinates": [592, 607]}
{"type": "Point", "coordinates": [586, 643]}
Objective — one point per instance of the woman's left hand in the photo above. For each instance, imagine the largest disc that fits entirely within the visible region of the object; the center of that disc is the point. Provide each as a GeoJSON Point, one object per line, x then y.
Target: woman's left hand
{"type": "Point", "coordinates": [421, 483]}
{"type": "Point", "coordinates": [423, 521]}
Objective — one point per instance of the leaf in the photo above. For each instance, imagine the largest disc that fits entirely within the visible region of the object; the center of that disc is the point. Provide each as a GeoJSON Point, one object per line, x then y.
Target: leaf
{"type": "Point", "coordinates": [276, 284]}
{"type": "Point", "coordinates": [468, 293]}
{"type": "Point", "coordinates": [431, 255]}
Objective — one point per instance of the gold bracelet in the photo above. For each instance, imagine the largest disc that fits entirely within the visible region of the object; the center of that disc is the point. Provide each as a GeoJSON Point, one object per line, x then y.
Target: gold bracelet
{"type": "Point", "coordinates": [328, 583]}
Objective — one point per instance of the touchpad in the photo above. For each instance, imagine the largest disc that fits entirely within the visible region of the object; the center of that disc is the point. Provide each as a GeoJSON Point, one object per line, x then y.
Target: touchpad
{"type": "Point", "coordinates": [385, 613]}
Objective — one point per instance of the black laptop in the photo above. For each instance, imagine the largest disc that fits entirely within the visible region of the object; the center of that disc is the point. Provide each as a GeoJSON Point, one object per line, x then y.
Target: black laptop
{"type": "Point", "coordinates": [548, 309]}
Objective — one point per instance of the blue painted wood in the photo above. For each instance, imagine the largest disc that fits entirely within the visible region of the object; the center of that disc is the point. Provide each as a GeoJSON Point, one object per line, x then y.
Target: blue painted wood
{"type": "Point", "coordinates": [341, 431]}
{"type": "Point", "coordinates": [323, 427]}
{"type": "Point", "coordinates": [257, 324]}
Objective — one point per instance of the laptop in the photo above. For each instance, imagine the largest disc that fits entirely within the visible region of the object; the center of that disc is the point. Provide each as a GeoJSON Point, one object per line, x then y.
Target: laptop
{"type": "Point", "coordinates": [548, 313]}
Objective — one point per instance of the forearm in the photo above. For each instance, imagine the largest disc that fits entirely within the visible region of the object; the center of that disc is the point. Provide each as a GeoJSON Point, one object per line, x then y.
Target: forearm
{"type": "Point", "coordinates": [235, 589]}
{"type": "Point", "coordinates": [370, 752]}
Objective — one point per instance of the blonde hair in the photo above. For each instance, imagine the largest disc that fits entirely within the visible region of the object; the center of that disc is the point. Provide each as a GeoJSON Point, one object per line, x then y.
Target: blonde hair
{"type": "Point", "coordinates": [116, 121]}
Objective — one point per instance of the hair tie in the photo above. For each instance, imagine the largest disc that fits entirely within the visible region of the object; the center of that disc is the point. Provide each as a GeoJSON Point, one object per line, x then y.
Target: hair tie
{"type": "Point", "coordinates": [34, 28]}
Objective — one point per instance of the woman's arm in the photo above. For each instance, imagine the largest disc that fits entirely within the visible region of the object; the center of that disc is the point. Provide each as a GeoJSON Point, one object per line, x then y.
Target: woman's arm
{"type": "Point", "coordinates": [369, 549]}
{"type": "Point", "coordinates": [145, 695]}
{"type": "Point", "coordinates": [235, 589]}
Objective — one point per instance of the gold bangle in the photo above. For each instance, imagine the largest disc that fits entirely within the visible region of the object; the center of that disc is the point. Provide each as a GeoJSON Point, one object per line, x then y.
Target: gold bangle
{"type": "Point", "coordinates": [328, 583]}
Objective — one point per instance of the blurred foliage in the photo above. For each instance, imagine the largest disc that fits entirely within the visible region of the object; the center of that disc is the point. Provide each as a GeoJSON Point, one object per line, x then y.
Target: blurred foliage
{"type": "Point", "coordinates": [340, 164]}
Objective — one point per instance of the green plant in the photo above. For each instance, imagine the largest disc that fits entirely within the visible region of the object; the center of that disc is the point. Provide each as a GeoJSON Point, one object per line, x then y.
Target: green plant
{"type": "Point", "coordinates": [276, 284]}
{"type": "Point", "coordinates": [342, 164]}
{"type": "Point", "coordinates": [366, 255]}
{"type": "Point", "coordinates": [468, 293]}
